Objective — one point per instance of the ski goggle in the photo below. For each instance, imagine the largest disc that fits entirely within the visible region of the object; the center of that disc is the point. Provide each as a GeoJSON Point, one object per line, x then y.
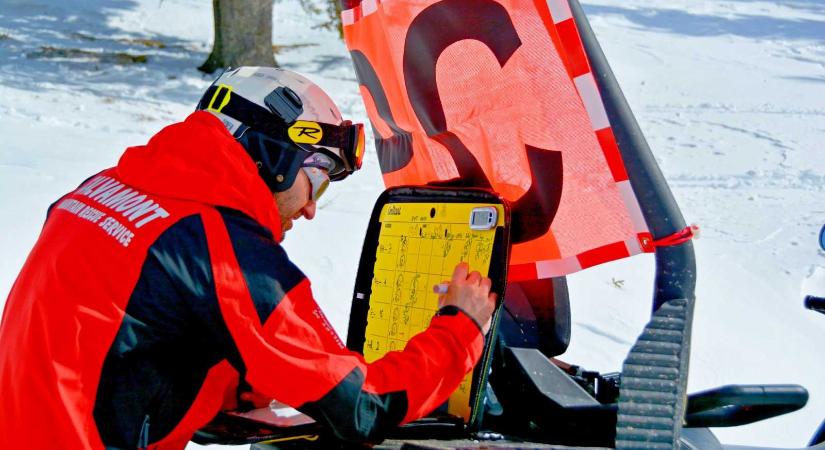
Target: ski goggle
{"type": "Point", "coordinates": [317, 167]}
{"type": "Point", "coordinates": [345, 142]}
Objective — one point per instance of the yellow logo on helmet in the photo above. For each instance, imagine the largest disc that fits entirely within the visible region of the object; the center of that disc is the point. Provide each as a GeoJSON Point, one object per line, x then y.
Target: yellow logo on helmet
{"type": "Point", "coordinates": [305, 132]}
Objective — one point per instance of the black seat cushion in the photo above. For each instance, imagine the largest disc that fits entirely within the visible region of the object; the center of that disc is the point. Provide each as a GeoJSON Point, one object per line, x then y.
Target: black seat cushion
{"type": "Point", "coordinates": [537, 315]}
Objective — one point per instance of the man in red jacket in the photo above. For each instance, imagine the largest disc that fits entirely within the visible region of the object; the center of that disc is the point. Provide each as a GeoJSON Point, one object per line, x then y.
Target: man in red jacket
{"type": "Point", "coordinates": [158, 284]}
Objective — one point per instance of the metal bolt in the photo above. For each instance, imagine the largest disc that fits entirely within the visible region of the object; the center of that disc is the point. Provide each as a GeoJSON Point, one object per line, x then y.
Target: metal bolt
{"type": "Point", "coordinates": [279, 178]}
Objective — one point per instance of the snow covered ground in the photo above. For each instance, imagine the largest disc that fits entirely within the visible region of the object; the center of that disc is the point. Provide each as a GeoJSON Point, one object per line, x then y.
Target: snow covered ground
{"type": "Point", "coordinates": [730, 93]}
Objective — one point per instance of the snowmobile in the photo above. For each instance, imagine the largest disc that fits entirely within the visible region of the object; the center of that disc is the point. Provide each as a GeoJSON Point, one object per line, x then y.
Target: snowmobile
{"type": "Point", "coordinates": [520, 395]}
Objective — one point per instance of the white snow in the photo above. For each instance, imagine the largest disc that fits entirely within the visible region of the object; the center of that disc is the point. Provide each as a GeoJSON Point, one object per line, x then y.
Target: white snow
{"type": "Point", "coordinates": [730, 94]}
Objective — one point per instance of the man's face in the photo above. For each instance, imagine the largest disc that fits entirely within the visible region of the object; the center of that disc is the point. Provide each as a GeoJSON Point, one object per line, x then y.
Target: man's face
{"type": "Point", "coordinates": [295, 202]}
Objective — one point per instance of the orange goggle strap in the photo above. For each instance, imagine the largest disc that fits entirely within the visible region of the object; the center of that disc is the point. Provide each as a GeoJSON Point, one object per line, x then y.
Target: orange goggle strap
{"type": "Point", "coordinates": [347, 137]}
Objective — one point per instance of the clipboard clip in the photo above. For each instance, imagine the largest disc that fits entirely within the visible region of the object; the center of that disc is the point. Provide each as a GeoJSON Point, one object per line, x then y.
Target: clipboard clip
{"type": "Point", "coordinates": [483, 218]}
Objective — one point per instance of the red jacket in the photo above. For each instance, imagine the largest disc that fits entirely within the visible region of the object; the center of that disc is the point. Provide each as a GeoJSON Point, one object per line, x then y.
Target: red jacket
{"type": "Point", "coordinates": [157, 282]}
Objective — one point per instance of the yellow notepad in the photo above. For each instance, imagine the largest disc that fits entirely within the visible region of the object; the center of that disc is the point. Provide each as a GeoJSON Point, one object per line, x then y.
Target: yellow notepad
{"type": "Point", "coordinates": [419, 245]}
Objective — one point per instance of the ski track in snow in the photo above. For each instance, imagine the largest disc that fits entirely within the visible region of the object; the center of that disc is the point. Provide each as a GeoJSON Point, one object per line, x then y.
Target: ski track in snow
{"type": "Point", "coordinates": [599, 332]}
{"type": "Point", "coordinates": [730, 94]}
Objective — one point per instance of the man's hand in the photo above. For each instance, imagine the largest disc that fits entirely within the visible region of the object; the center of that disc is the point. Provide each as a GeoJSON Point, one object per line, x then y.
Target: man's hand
{"type": "Point", "coordinates": [470, 292]}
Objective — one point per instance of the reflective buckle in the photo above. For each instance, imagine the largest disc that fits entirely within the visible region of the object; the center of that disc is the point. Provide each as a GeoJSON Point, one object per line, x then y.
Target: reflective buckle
{"type": "Point", "coordinates": [223, 102]}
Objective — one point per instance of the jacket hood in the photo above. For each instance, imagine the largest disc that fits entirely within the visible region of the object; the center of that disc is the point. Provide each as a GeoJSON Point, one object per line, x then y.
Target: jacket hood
{"type": "Point", "coordinates": [198, 160]}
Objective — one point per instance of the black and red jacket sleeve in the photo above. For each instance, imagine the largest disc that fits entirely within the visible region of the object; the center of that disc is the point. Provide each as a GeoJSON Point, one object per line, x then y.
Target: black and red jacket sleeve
{"type": "Point", "coordinates": [289, 351]}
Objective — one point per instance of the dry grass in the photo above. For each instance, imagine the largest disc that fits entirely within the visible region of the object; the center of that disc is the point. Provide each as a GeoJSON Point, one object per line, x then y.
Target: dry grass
{"type": "Point", "coordinates": [149, 43]}
{"type": "Point", "coordinates": [277, 49]}
{"type": "Point", "coordinates": [122, 58]}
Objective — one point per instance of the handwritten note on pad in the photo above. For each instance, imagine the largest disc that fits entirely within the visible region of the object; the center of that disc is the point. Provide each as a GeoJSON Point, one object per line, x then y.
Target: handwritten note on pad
{"type": "Point", "coordinates": [419, 245]}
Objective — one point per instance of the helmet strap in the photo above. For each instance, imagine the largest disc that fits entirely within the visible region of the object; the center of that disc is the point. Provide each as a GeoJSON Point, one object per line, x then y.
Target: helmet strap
{"type": "Point", "coordinates": [278, 161]}
{"type": "Point", "coordinates": [238, 134]}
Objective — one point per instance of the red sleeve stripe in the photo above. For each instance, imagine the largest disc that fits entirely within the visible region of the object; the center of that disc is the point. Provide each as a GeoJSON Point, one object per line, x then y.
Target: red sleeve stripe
{"type": "Point", "coordinates": [233, 296]}
{"type": "Point", "coordinates": [207, 404]}
{"type": "Point", "coordinates": [237, 308]}
{"type": "Point", "coordinates": [293, 364]}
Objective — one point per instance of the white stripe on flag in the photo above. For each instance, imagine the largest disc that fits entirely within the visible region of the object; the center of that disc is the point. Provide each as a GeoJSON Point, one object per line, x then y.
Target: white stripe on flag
{"type": "Point", "coordinates": [589, 93]}
{"type": "Point", "coordinates": [633, 247]}
{"type": "Point", "coordinates": [368, 7]}
{"type": "Point", "coordinates": [632, 204]}
{"type": "Point", "coordinates": [348, 17]}
{"type": "Point", "coordinates": [560, 10]}
{"type": "Point", "coordinates": [557, 267]}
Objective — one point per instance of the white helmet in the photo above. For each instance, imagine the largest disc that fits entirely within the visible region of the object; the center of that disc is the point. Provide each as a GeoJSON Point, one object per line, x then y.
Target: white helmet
{"type": "Point", "coordinates": [281, 118]}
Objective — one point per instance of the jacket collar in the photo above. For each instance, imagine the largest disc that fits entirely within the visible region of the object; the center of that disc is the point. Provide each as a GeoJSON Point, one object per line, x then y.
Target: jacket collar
{"type": "Point", "coordinates": [198, 160]}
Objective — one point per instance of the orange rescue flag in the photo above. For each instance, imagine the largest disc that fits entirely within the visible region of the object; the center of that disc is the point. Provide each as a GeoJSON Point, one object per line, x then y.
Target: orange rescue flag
{"type": "Point", "coordinates": [498, 94]}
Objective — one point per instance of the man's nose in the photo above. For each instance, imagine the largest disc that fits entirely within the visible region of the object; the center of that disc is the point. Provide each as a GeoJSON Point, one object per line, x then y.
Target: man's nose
{"type": "Point", "coordinates": [308, 211]}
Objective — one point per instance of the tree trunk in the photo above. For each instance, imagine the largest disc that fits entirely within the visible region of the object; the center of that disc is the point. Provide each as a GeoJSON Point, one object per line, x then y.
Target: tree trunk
{"type": "Point", "coordinates": [243, 35]}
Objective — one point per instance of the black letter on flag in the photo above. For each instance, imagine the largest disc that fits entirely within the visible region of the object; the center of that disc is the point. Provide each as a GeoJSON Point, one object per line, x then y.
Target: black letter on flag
{"type": "Point", "coordinates": [431, 32]}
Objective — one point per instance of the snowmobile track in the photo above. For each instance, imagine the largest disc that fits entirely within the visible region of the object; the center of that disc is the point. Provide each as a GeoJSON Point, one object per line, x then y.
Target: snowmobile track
{"type": "Point", "coordinates": [654, 381]}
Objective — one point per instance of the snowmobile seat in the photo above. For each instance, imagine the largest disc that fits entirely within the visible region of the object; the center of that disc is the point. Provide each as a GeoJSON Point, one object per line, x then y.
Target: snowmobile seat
{"type": "Point", "coordinates": [536, 314]}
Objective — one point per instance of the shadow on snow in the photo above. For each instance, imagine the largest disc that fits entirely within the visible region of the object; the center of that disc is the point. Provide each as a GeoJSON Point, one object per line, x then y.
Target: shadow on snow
{"type": "Point", "coordinates": [751, 26]}
{"type": "Point", "coordinates": [53, 42]}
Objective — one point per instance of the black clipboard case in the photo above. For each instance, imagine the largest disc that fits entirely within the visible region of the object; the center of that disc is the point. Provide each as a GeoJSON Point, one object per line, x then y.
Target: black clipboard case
{"type": "Point", "coordinates": [497, 272]}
